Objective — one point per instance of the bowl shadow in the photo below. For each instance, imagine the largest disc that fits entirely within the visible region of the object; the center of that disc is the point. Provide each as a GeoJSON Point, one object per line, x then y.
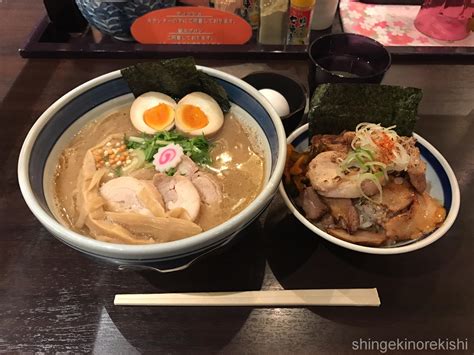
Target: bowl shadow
{"type": "Point", "coordinates": [238, 266]}
{"type": "Point", "coordinates": [300, 259]}
{"type": "Point", "coordinates": [288, 244]}
{"type": "Point", "coordinates": [217, 271]}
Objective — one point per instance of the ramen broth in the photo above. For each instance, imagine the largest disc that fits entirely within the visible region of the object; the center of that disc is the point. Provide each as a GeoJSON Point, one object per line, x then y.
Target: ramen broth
{"type": "Point", "coordinates": [237, 164]}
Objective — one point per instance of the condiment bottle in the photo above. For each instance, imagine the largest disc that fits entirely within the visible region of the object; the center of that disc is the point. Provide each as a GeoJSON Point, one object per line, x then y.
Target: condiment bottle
{"type": "Point", "coordinates": [323, 14]}
{"type": "Point", "coordinates": [232, 6]}
{"type": "Point", "coordinates": [273, 21]}
{"type": "Point", "coordinates": [250, 11]}
{"type": "Point", "coordinates": [299, 21]}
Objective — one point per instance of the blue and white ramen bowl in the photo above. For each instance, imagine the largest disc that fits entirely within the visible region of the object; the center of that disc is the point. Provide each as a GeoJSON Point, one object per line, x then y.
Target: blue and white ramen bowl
{"type": "Point", "coordinates": [55, 128]}
{"type": "Point", "coordinates": [442, 185]}
{"type": "Point", "coordinates": [114, 17]}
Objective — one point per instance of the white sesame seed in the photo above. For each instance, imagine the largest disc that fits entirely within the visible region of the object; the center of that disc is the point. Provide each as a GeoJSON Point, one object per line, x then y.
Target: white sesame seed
{"type": "Point", "coordinates": [130, 150]}
{"type": "Point", "coordinates": [117, 144]}
{"type": "Point", "coordinates": [111, 174]}
{"type": "Point", "coordinates": [106, 152]}
{"type": "Point", "coordinates": [114, 150]}
{"type": "Point", "coordinates": [107, 164]}
{"type": "Point", "coordinates": [128, 161]}
{"type": "Point", "coordinates": [108, 144]}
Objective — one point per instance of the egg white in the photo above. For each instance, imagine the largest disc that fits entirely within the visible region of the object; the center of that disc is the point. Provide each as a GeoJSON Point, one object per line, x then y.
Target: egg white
{"type": "Point", "coordinates": [277, 100]}
{"type": "Point", "coordinates": [208, 105]}
{"type": "Point", "coordinates": [146, 101]}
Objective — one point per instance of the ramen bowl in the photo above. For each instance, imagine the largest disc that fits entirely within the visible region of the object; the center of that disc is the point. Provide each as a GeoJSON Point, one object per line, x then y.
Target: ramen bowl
{"type": "Point", "coordinates": [114, 18]}
{"type": "Point", "coordinates": [63, 119]}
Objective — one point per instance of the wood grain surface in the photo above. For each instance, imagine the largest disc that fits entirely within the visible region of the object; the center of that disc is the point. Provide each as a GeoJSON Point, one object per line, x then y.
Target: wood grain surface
{"type": "Point", "coordinates": [54, 299]}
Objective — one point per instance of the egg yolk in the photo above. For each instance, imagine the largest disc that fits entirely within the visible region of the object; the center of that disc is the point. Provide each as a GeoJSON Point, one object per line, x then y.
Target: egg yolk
{"type": "Point", "coordinates": [194, 118]}
{"type": "Point", "coordinates": [158, 117]}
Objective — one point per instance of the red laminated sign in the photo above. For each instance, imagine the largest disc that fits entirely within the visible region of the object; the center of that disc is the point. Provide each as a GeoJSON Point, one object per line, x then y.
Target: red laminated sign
{"type": "Point", "coordinates": [191, 25]}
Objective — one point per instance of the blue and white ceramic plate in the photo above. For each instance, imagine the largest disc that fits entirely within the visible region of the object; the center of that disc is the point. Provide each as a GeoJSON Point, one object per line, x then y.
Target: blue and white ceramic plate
{"type": "Point", "coordinates": [105, 94]}
{"type": "Point", "coordinates": [442, 185]}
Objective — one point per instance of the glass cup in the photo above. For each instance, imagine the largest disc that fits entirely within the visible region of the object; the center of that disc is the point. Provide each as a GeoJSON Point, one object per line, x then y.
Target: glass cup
{"type": "Point", "coordinates": [447, 20]}
{"type": "Point", "coordinates": [347, 58]}
{"type": "Point", "coordinates": [324, 12]}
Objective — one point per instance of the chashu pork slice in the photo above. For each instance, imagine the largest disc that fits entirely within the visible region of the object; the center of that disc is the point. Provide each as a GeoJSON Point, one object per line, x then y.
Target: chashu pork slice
{"type": "Point", "coordinates": [128, 194]}
{"type": "Point", "coordinates": [207, 186]}
{"type": "Point", "coordinates": [344, 212]}
{"type": "Point", "coordinates": [324, 173]}
{"type": "Point", "coordinates": [416, 167]}
{"type": "Point", "coordinates": [424, 215]}
{"type": "Point", "coordinates": [186, 167]}
{"type": "Point", "coordinates": [397, 195]}
{"type": "Point", "coordinates": [178, 192]}
{"type": "Point", "coordinates": [340, 142]}
{"type": "Point", "coordinates": [313, 207]}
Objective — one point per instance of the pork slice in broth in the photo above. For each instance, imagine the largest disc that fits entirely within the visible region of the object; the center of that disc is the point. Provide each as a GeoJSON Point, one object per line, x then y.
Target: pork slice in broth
{"type": "Point", "coordinates": [208, 187]}
{"type": "Point", "coordinates": [90, 208]}
{"type": "Point", "coordinates": [178, 192]}
{"type": "Point", "coordinates": [127, 194]}
{"type": "Point", "coordinates": [186, 167]}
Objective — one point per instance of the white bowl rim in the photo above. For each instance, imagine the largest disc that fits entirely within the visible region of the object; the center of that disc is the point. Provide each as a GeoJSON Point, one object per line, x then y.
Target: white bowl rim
{"type": "Point", "coordinates": [147, 251]}
{"type": "Point", "coordinates": [438, 233]}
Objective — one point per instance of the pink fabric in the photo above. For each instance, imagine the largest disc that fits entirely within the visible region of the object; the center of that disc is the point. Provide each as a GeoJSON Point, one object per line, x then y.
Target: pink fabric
{"type": "Point", "coordinates": [391, 25]}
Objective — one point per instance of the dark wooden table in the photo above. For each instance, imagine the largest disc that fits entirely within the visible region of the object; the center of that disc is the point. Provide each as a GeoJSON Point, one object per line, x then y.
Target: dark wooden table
{"type": "Point", "coordinates": [53, 299]}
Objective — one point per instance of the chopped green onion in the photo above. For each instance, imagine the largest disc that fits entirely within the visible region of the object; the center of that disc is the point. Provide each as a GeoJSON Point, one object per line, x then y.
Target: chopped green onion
{"type": "Point", "coordinates": [369, 152]}
{"type": "Point", "coordinates": [136, 139]}
{"type": "Point", "coordinates": [171, 171]}
{"type": "Point", "coordinates": [369, 169]}
{"type": "Point", "coordinates": [197, 148]}
{"type": "Point", "coordinates": [118, 171]}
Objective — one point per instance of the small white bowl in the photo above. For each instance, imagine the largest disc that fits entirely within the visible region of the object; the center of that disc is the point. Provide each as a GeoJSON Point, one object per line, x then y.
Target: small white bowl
{"type": "Point", "coordinates": [66, 116]}
{"type": "Point", "coordinates": [440, 177]}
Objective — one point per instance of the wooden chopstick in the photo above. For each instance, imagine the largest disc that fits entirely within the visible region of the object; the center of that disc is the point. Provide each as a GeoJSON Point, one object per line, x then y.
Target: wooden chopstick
{"type": "Point", "coordinates": [335, 297]}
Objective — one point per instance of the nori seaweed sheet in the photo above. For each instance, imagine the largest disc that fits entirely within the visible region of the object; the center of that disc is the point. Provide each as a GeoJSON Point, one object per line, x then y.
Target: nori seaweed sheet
{"type": "Point", "coordinates": [174, 77]}
{"type": "Point", "coordinates": [338, 107]}
{"type": "Point", "coordinates": [212, 88]}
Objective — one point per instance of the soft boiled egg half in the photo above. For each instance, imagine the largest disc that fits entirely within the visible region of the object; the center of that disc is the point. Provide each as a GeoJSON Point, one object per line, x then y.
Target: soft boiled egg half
{"type": "Point", "coordinates": [198, 113]}
{"type": "Point", "coordinates": [153, 112]}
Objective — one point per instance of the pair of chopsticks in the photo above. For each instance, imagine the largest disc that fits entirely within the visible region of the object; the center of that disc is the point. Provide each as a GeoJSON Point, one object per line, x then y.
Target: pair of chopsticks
{"type": "Point", "coordinates": [335, 297]}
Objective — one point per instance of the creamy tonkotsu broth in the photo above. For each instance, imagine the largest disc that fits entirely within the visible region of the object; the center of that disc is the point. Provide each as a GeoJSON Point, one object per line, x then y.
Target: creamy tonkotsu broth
{"type": "Point", "coordinates": [237, 170]}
